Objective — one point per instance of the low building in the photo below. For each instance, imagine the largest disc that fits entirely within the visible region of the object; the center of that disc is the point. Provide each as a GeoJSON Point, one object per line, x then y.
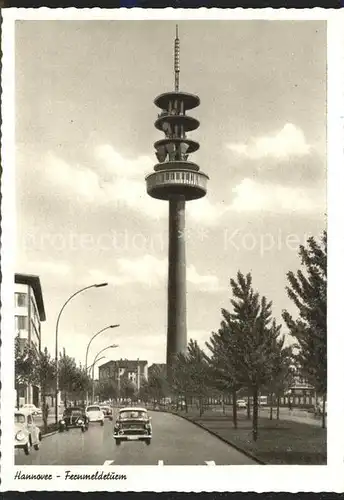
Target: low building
{"type": "Point", "coordinates": [29, 312]}
{"type": "Point", "coordinates": [133, 370]}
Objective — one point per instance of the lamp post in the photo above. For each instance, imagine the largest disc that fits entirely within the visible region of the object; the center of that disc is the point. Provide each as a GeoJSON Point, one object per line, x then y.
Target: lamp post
{"type": "Point", "coordinates": [94, 336]}
{"type": "Point", "coordinates": [96, 359]}
{"type": "Point", "coordinates": [89, 368]}
{"type": "Point", "coordinates": [96, 285]}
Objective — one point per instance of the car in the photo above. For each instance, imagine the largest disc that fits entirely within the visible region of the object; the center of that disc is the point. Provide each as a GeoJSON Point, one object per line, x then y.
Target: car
{"type": "Point", "coordinates": [133, 424]}
{"type": "Point", "coordinates": [32, 409]}
{"type": "Point", "coordinates": [241, 404]}
{"type": "Point", "coordinates": [73, 416]}
{"type": "Point", "coordinates": [107, 410]}
{"type": "Point", "coordinates": [95, 414]}
{"type": "Point", "coordinates": [26, 432]}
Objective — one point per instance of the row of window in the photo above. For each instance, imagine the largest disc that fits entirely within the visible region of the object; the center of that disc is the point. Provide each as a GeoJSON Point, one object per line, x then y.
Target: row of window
{"type": "Point", "coordinates": [180, 177]}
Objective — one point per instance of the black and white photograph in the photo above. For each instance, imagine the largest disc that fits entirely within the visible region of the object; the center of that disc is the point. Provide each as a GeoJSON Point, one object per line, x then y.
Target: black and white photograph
{"type": "Point", "coordinates": [170, 256]}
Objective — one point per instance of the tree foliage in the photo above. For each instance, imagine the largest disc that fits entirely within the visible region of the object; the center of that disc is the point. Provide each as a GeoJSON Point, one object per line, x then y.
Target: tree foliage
{"type": "Point", "coordinates": [307, 288]}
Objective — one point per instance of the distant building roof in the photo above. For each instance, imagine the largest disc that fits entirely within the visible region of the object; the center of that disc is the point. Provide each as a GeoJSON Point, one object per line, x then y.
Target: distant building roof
{"type": "Point", "coordinates": [129, 364]}
{"type": "Point", "coordinates": [35, 283]}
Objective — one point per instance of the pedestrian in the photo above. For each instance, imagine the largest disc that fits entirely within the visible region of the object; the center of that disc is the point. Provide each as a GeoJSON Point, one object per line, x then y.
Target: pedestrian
{"type": "Point", "coordinates": [290, 405]}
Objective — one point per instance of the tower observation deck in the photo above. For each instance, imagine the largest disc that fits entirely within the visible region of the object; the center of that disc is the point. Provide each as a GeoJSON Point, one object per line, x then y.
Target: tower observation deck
{"type": "Point", "coordinates": [176, 179]}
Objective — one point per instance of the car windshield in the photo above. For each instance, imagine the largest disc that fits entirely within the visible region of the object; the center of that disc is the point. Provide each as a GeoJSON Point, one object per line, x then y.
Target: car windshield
{"type": "Point", "coordinates": [19, 419]}
{"type": "Point", "coordinates": [93, 408]}
{"type": "Point", "coordinates": [68, 411]}
{"type": "Point", "coordinates": [105, 407]}
{"type": "Point", "coordinates": [133, 414]}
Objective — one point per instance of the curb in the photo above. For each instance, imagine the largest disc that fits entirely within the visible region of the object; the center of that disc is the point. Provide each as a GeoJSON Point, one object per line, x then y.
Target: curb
{"type": "Point", "coordinates": [49, 434]}
{"type": "Point", "coordinates": [234, 445]}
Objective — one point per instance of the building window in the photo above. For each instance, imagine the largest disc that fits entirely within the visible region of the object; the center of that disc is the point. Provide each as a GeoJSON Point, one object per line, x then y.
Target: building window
{"type": "Point", "coordinates": [20, 299]}
{"type": "Point", "coordinates": [21, 322]}
{"type": "Point", "coordinates": [177, 176]}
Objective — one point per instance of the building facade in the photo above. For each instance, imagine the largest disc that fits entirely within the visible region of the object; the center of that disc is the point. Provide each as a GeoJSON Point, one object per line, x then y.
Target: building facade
{"type": "Point", "coordinates": [29, 313]}
{"type": "Point", "coordinates": [133, 370]}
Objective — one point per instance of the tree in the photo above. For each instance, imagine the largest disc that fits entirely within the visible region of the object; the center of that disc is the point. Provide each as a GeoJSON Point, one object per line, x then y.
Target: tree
{"type": "Point", "coordinates": [180, 383]}
{"type": "Point", "coordinates": [68, 374]}
{"type": "Point", "coordinates": [308, 291]}
{"type": "Point", "coordinates": [252, 340]}
{"type": "Point", "coordinates": [223, 370]}
{"type": "Point", "coordinates": [156, 387]}
{"type": "Point", "coordinates": [107, 389]}
{"type": "Point", "coordinates": [44, 376]}
{"type": "Point", "coordinates": [281, 373]}
{"type": "Point", "coordinates": [24, 364]}
{"type": "Point", "coordinates": [199, 373]}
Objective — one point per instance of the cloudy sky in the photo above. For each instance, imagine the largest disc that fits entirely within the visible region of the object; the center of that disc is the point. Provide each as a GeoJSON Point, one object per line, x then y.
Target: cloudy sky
{"type": "Point", "coordinates": [85, 134]}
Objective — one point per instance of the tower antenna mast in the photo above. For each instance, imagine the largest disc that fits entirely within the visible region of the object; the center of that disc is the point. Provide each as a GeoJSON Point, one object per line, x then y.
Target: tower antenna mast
{"type": "Point", "coordinates": [176, 61]}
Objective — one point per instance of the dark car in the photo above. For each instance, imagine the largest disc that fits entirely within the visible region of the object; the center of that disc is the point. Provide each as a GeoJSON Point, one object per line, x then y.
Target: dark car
{"type": "Point", "coordinates": [107, 410]}
{"type": "Point", "coordinates": [133, 424]}
{"type": "Point", "coordinates": [73, 417]}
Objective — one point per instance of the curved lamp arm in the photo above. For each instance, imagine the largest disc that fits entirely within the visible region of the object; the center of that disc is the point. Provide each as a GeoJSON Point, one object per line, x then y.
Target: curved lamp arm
{"type": "Point", "coordinates": [94, 336]}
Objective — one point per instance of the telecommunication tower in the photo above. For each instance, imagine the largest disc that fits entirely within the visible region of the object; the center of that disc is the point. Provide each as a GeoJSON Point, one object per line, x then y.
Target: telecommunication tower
{"type": "Point", "coordinates": [176, 180]}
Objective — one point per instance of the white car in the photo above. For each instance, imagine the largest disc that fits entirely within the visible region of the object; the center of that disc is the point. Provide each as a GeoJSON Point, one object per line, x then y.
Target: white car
{"type": "Point", "coordinates": [26, 433]}
{"type": "Point", "coordinates": [95, 414]}
{"type": "Point", "coordinates": [241, 404]}
{"type": "Point", "coordinates": [32, 409]}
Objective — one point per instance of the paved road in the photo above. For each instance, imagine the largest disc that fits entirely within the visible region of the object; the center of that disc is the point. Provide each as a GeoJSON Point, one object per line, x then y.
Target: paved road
{"type": "Point", "coordinates": [175, 442]}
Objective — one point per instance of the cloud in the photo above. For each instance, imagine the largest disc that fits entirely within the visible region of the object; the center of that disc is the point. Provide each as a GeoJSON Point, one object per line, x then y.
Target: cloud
{"type": "Point", "coordinates": [151, 272]}
{"type": "Point", "coordinates": [288, 142]}
{"type": "Point", "coordinates": [51, 268]}
{"type": "Point", "coordinates": [251, 196]}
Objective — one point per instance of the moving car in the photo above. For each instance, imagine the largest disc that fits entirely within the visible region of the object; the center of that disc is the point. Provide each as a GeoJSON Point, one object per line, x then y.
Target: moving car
{"type": "Point", "coordinates": [241, 403]}
{"type": "Point", "coordinates": [95, 414]}
{"type": "Point", "coordinates": [133, 424]}
{"type": "Point", "coordinates": [32, 409]}
{"type": "Point", "coordinates": [107, 410]}
{"type": "Point", "coordinates": [26, 433]}
{"type": "Point", "coordinates": [73, 416]}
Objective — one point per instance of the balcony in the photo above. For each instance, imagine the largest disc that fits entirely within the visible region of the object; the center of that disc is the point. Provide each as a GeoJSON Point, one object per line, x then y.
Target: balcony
{"type": "Point", "coordinates": [165, 184]}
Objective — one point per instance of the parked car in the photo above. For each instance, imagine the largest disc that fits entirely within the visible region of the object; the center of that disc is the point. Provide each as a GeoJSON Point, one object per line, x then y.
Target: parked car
{"type": "Point", "coordinates": [95, 414]}
{"type": "Point", "coordinates": [107, 410]}
{"type": "Point", "coordinates": [133, 424]}
{"type": "Point", "coordinates": [32, 409]}
{"type": "Point", "coordinates": [241, 403]}
{"type": "Point", "coordinates": [73, 417]}
{"type": "Point", "coordinates": [26, 432]}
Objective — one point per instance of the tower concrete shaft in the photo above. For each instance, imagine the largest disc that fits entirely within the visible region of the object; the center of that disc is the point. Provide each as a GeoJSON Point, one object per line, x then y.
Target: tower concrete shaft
{"type": "Point", "coordinates": [176, 317]}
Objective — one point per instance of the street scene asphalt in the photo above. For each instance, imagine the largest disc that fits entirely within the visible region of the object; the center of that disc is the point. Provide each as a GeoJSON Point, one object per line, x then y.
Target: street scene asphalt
{"type": "Point", "coordinates": [175, 442]}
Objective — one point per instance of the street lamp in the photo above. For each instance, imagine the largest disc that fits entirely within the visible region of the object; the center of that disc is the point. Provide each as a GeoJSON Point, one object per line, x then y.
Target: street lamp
{"type": "Point", "coordinates": [94, 336]}
{"type": "Point", "coordinates": [96, 285]}
{"type": "Point", "coordinates": [96, 359]}
{"type": "Point", "coordinates": [89, 368]}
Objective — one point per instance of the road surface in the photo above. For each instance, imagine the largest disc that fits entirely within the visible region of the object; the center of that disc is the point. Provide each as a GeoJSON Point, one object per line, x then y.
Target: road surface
{"type": "Point", "coordinates": [175, 442]}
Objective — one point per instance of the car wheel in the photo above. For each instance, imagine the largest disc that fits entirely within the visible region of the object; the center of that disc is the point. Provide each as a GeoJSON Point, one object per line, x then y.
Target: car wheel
{"type": "Point", "coordinates": [36, 447]}
{"type": "Point", "coordinates": [27, 448]}
{"type": "Point", "coordinates": [118, 442]}
{"type": "Point", "coordinates": [61, 429]}
{"type": "Point", "coordinates": [67, 428]}
{"type": "Point", "coordinates": [40, 437]}
{"type": "Point", "coordinates": [148, 441]}
{"type": "Point", "coordinates": [83, 428]}
{"type": "Point", "coordinates": [102, 423]}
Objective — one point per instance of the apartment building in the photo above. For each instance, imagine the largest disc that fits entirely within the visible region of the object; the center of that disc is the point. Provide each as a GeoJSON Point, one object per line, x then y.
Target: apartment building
{"type": "Point", "coordinates": [29, 313]}
{"type": "Point", "coordinates": [133, 370]}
